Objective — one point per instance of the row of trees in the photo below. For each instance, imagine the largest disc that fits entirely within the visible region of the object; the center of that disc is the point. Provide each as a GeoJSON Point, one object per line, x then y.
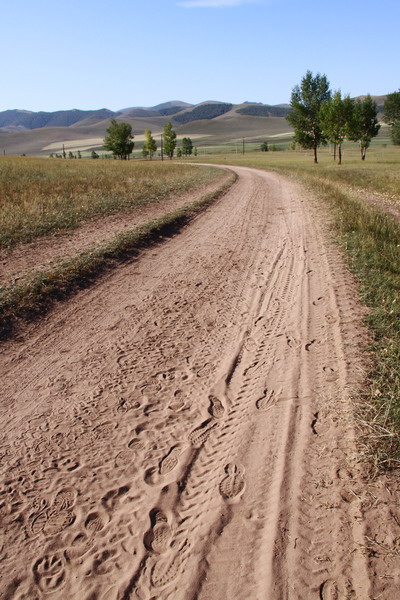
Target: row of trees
{"type": "Point", "coordinates": [119, 141]}
{"type": "Point", "coordinates": [319, 116]}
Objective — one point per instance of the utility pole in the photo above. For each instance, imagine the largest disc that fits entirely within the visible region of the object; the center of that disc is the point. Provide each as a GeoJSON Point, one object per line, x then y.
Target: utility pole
{"type": "Point", "coordinates": [162, 155]}
{"type": "Point", "coordinates": [243, 145]}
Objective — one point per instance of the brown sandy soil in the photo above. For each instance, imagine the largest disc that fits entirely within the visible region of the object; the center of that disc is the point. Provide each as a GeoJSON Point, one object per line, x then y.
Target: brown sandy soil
{"type": "Point", "coordinates": [45, 253]}
{"type": "Point", "coordinates": [183, 430]}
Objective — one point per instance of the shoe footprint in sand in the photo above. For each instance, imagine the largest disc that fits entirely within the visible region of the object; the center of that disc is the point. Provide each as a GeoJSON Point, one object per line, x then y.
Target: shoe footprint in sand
{"type": "Point", "coordinates": [216, 408]}
{"type": "Point", "coordinates": [200, 435]}
{"type": "Point", "coordinates": [233, 485]}
{"type": "Point", "coordinates": [156, 475]}
{"type": "Point", "coordinates": [161, 533]}
{"type": "Point", "coordinates": [170, 461]}
{"type": "Point", "coordinates": [267, 400]}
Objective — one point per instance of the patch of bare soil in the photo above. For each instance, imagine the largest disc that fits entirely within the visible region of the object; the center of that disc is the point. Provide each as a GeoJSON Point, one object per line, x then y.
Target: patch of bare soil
{"type": "Point", "coordinates": [183, 430]}
{"type": "Point", "coordinates": [46, 253]}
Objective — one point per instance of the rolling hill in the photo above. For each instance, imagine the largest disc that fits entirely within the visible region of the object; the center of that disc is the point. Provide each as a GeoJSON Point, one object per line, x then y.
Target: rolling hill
{"type": "Point", "coordinates": [208, 123]}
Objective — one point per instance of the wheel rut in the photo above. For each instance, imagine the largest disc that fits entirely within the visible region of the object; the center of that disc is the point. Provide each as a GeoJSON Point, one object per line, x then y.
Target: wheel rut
{"type": "Point", "coordinates": [176, 432]}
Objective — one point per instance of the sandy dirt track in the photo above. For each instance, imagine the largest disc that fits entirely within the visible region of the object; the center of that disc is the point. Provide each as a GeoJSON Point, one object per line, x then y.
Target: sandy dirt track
{"type": "Point", "coordinates": [183, 431]}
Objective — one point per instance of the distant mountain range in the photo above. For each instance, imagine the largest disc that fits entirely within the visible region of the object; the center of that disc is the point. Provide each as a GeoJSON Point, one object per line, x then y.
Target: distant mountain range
{"type": "Point", "coordinates": [179, 112]}
{"type": "Point", "coordinates": [18, 120]}
{"type": "Point", "coordinates": [209, 123]}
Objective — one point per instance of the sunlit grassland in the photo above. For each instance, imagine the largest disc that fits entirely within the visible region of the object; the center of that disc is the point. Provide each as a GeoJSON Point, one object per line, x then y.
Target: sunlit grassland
{"type": "Point", "coordinates": [40, 196]}
{"type": "Point", "coordinates": [23, 302]}
{"type": "Point", "coordinates": [371, 239]}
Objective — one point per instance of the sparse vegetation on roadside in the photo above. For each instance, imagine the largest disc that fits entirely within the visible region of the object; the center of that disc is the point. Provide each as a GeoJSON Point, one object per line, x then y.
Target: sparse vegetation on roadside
{"type": "Point", "coordinates": [34, 297]}
{"type": "Point", "coordinates": [372, 241]}
{"type": "Point", "coordinates": [42, 196]}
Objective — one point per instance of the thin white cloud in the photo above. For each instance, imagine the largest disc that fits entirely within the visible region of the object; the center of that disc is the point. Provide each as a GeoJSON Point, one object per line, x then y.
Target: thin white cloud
{"type": "Point", "coordinates": [213, 3]}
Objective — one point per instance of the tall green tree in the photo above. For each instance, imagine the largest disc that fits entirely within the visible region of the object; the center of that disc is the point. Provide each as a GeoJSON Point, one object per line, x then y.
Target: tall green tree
{"type": "Point", "coordinates": [364, 124]}
{"type": "Point", "coordinates": [150, 144]}
{"type": "Point", "coordinates": [187, 146]}
{"type": "Point", "coordinates": [392, 115]}
{"type": "Point", "coordinates": [306, 101]}
{"type": "Point", "coordinates": [335, 116]}
{"type": "Point", "coordinates": [169, 139]}
{"type": "Point", "coordinates": [119, 139]}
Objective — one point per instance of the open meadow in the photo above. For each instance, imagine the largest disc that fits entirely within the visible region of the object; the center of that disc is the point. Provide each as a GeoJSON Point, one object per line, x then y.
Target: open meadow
{"type": "Point", "coordinates": [50, 196]}
{"type": "Point", "coordinates": [64, 222]}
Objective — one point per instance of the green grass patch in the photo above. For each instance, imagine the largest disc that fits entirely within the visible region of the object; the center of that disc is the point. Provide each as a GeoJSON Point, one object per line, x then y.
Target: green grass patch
{"type": "Point", "coordinates": [25, 302]}
{"type": "Point", "coordinates": [41, 196]}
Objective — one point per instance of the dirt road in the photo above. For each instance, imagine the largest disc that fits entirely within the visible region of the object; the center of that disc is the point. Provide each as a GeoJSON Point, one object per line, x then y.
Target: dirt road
{"type": "Point", "coordinates": [182, 430]}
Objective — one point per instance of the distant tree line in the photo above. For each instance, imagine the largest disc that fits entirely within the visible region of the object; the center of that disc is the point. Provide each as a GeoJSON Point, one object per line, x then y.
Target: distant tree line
{"type": "Point", "coordinates": [264, 110]}
{"type": "Point", "coordinates": [319, 116]}
{"type": "Point", "coordinates": [204, 111]}
{"type": "Point", "coordinates": [119, 141]}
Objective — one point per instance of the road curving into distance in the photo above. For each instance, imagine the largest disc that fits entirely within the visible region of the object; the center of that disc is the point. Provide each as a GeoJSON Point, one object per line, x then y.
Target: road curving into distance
{"type": "Point", "coordinates": [183, 429]}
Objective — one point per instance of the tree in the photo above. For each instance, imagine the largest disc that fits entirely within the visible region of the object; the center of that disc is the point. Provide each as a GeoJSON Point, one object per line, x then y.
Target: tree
{"type": "Point", "coordinates": [119, 139]}
{"type": "Point", "coordinates": [150, 144]}
{"type": "Point", "coordinates": [335, 116]}
{"type": "Point", "coordinates": [94, 154]}
{"type": "Point", "coordinates": [187, 146]}
{"type": "Point", "coordinates": [70, 155]}
{"type": "Point", "coordinates": [79, 154]}
{"type": "Point", "coordinates": [179, 152]}
{"type": "Point", "coordinates": [392, 115]}
{"type": "Point", "coordinates": [364, 124]}
{"type": "Point", "coordinates": [169, 138]}
{"type": "Point", "coordinates": [396, 133]}
{"type": "Point", "coordinates": [306, 102]}
{"type": "Point", "coordinates": [264, 147]}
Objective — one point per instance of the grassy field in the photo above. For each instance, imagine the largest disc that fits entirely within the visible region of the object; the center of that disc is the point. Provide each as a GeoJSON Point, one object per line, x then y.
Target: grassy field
{"type": "Point", "coordinates": [43, 196]}
{"type": "Point", "coordinates": [371, 240]}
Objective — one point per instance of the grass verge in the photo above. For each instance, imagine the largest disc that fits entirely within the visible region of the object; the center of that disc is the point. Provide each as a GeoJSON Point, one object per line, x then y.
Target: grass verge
{"type": "Point", "coordinates": [372, 241]}
{"type": "Point", "coordinates": [25, 302]}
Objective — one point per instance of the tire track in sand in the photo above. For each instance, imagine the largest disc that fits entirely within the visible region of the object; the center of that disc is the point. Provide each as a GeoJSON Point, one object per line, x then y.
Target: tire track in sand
{"type": "Point", "coordinates": [175, 434]}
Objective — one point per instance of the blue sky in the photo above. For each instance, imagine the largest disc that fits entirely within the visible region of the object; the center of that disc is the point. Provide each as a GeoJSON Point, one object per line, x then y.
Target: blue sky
{"type": "Point", "coordinates": [94, 53]}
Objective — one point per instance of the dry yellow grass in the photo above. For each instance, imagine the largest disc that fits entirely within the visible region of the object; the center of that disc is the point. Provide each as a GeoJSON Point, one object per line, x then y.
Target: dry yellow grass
{"type": "Point", "coordinates": [41, 196]}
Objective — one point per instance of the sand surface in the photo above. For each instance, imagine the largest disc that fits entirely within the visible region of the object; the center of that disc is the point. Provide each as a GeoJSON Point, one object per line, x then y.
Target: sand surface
{"type": "Point", "coordinates": [183, 429]}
